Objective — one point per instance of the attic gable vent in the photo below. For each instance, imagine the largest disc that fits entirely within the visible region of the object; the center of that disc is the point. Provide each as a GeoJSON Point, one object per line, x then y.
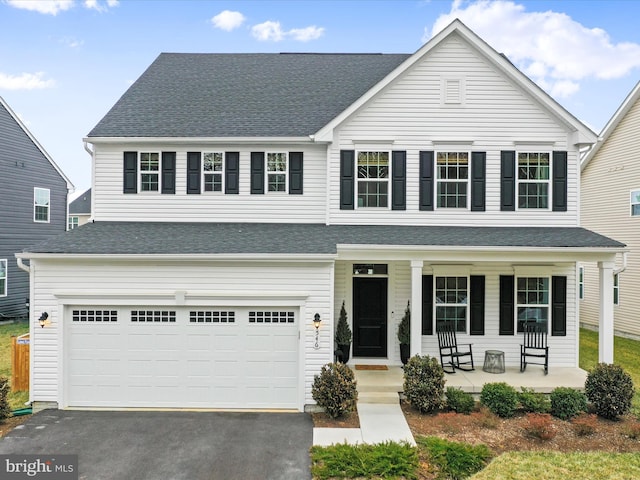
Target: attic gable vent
{"type": "Point", "coordinates": [453, 91]}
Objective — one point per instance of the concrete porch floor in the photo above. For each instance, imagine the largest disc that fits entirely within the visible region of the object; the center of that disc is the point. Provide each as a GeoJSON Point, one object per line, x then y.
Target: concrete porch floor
{"type": "Point", "coordinates": [377, 382]}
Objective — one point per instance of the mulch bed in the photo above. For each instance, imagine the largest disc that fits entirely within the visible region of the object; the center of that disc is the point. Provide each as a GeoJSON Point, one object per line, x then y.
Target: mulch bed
{"type": "Point", "coordinates": [350, 420]}
{"type": "Point", "coordinates": [10, 423]}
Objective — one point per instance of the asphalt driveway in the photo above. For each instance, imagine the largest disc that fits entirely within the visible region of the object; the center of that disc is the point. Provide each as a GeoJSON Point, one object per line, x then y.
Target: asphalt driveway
{"type": "Point", "coordinates": [171, 445]}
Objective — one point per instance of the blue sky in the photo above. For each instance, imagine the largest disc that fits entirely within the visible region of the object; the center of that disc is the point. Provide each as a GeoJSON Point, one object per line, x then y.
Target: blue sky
{"type": "Point", "coordinates": [64, 63]}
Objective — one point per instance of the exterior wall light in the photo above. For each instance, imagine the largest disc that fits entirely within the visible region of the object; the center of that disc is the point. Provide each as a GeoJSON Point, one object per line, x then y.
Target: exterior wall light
{"type": "Point", "coordinates": [316, 324]}
{"type": "Point", "coordinates": [44, 319]}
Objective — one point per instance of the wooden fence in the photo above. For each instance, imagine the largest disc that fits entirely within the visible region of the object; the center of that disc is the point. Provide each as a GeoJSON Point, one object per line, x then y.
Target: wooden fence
{"type": "Point", "coordinates": [20, 363]}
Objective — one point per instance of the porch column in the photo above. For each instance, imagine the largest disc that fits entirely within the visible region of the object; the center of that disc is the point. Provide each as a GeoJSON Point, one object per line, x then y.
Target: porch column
{"type": "Point", "coordinates": [416, 307]}
{"type": "Point", "coordinates": [605, 323]}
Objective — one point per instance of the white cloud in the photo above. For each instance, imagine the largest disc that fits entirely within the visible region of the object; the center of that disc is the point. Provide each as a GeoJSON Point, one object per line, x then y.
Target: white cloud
{"type": "Point", "coordinates": [553, 49]}
{"type": "Point", "coordinates": [272, 31]}
{"type": "Point", "coordinates": [25, 81]}
{"type": "Point", "coordinates": [48, 7]}
{"type": "Point", "coordinates": [99, 6]}
{"type": "Point", "coordinates": [228, 20]}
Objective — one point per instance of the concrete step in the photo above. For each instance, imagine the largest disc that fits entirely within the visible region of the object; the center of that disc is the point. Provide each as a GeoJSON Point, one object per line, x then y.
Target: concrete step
{"type": "Point", "coordinates": [378, 397]}
{"type": "Point", "coordinates": [372, 387]}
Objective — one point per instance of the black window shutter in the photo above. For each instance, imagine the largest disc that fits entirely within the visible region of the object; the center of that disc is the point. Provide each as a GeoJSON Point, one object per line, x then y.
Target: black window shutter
{"type": "Point", "coordinates": [257, 172]}
{"type": "Point", "coordinates": [507, 310]}
{"type": "Point", "coordinates": [427, 305]}
{"type": "Point", "coordinates": [560, 181]}
{"type": "Point", "coordinates": [130, 180]}
{"type": "Point", "coordinates": [476, 313]}
{"type": "Point", "coordinates": [168, 172]}
{"type": "Point", "coordinates": [508, 181]}
{"type": "Point", "coordinates": [232, 172]}
{"type": "Point", "coordinates": [559, 306]}
{"type": "Point", "coordinates": [398, 180]}
{"type": "Point", "coordinates": [347, 179]}
{"type": "Point", "coordinates": [426, 180]}
{"type": "Point", "coordinates": [295, 173]}
{"type": "Point", "coordinates": [478, 175]}
{"type": "Point", "coordinates": [193, 172]}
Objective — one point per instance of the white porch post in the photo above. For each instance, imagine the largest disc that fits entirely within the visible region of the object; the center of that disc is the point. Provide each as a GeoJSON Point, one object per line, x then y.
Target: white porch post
{"type": "Point", "coordinates": [416, 307]}
{"type": "Point", "coordinates": [605, 323]}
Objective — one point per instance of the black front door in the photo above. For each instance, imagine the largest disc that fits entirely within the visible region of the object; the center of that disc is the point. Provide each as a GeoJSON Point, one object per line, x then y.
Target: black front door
{"type": "Point", "coordinates": [369, 317]}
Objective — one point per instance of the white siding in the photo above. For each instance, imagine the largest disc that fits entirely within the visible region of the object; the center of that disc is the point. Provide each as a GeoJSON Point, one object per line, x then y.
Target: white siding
{"type": "Point", "coordinates": [110, 204]}
{"type": "Point", "coordinates": [104, 283]}
{"type": "Point", "coordinates": [605, 193]}
{"type": "Point", "coordinates": [494, 115]}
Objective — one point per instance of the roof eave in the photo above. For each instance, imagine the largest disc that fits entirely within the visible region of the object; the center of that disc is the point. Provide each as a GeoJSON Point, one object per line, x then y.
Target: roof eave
{"type": "Point", "coordinates": [199, 140]}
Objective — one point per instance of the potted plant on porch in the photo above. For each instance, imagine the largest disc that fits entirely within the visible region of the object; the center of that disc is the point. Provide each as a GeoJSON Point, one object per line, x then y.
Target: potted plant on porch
{"type": "Point", "coordinates": [404, 335]}
{"type": "Point", "coordinates": [343, 334]}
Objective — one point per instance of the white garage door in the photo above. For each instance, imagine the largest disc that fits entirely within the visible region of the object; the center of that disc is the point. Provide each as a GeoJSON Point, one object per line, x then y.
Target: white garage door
{"type": "Point", "coordinates": [200, 357]}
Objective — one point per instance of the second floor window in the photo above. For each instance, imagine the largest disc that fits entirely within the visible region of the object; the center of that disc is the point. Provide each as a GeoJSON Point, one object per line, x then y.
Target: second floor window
{"type": "Point", "coordinates": [277, 172]}
{"type": "Point", "coordinates": [73, 222]}
{"type": "Point", "coordinates": [3, 278]}
{"type": "Point", "coordinates": [533, 179]}
{"type": "Point", "coordinates": [635, 203]}
{"type": "Point", "coordinates": [41, 202]}
{"type": "Point", "coordinates": [213, 171]}
{"type": "Point", "coordinates": [373, 179]}
{"type": "Point", "coordinates": [453, 179]}
{"type": "Point", "coordinates": [149, 171]}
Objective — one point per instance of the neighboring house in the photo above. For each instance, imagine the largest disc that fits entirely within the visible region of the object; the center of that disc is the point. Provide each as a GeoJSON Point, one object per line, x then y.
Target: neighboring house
{"type": "Point", "coordinates": [236, 196]}
{"type": "Point", "coordinates": [610, 204]}
{"type": "Point", "coordinates": [80, 210]}
{"type": "Point", "coordinates": [33, 207]}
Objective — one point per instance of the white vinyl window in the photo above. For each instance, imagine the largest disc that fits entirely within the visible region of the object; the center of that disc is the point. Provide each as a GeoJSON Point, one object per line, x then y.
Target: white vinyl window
{"type": "Point", "coordinates": [373, 179]}
{"type": "Point", "coordinates": [452, 174]}
{"type": "Point", "coordinates": [581, 282]}
{"type": "Point", "coordinates": [534, 182]}
{"type": "Point", "coordinates": [277, 172]}
{"type": "Point", "coordinates": [451, 299]}
{"type": "Point", "coordinates": [532, 301]}
{"type": "Point", "coordinates": [213, 171]}
{"type": "Point", "coordinates": [635, 203]}
{"type": "Point", "coordinates": [149, 171]}
{"type": "Point", "coordinates": [73, 222]}
{"type": "Point", "coordinates": [41, 204]}
{"type": "Point", "coordinates": [616, 289]}
{"type": "Point", "coordinates": [3, 278]}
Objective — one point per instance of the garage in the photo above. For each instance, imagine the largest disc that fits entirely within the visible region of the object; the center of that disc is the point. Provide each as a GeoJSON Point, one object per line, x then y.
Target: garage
{"type": "Point", "coordinates": [181, 357]}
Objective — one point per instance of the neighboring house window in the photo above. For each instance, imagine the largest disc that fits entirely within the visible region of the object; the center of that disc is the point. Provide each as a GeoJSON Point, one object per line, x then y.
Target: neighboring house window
{"type": "Point", "coordinates": [41, 201]}
{"type": "Point", "coordinates": [373, 179]}
{"type": "Point", "coordinates": [581, 282]}
{"type": "Point", "coordinates": [73, 222]}
{"type": "Point", "coordinates": [451, 294]}
{"type": "Point", "coordinates": [277, 172]}
{"type": "Point", "coordinates": [213, 171]}
{"type": "Point", "coordinates": [635, 203]}
{"type": "Point", "coordinates": [453, 179]}
{"type": "Point", "coordinates": [616, 289]}
{"type": "Point", "coordinates": [533, 179]}
{"type": "Point", "coordinates": [3, 278]}
{"type": "Point", "coordinates": [532, 301]}
{"type": "Point", "coordinates": [149, 171]}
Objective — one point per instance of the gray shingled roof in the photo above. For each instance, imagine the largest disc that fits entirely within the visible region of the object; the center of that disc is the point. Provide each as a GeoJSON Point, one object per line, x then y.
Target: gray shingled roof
{"type": "Point", "coordinates": [243, 95]}
{"type": "Point", "coordinates": [139, 238]}
{"type": "Point", "coordinates": [81, 205]}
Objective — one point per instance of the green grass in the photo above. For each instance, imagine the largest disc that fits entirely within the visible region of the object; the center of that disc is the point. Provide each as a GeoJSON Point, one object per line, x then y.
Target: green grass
{"type": "Point", "coordinates": [16, 399]}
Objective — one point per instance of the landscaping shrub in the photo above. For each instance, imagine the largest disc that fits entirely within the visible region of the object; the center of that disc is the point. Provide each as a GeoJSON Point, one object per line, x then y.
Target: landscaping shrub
{"type": "Point", "coordinates": [453, 459]}
{"type": "Point", "coordinates": [424, 383]}
{"type": "Point", "coordinates": [610, 389]}
{"type": "Point", "coordinates": [5, 411]}
{"type": "Point", "coordinates": [539, 425]}
{"type": "Point", "coordinates": [567, 402]}
{"type": "Point", "coordinates": [334, 389]}
{"type": "Point", "coordinates": [534, 402]}
{"type": "Point", "coordinates": [459, 401]}
{"type": "Point", "coordinates": [585, 424]}
{"type": "Point", "coordinates": [500, 398]}
{"type": "Point", "coordinates": [485, 418]}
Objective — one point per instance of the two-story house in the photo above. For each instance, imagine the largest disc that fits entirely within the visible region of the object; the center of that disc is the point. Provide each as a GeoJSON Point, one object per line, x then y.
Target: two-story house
{"type": "Point", "coordinates": [33, 207]}
{"type": "Point", "coordinates": [80, 210]}
{"type": "Point", "coordinates": [239, 196]}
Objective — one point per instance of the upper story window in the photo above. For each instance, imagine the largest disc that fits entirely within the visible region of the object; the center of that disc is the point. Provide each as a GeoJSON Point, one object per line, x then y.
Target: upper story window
{"type": "Point", "coordinates": [213, 171]}
{"type": "Point", "coordinates": [149, 171]}
{"type": "Point", "coordinates": [452, 174]}
{"type": "Point", "coordinates": [373, 179]}
{"type": "Point", "coordinates": [533, 179]}
{"type": "Point", "coordinates": [451, 295]}
{"type": "Point", "coordinates": [532, 301]}
{"type": "Point", "coordinates": [277, 172]}
{"type": "Point", "coordinates": [41, 203]}
{"type": "Point", "coordinates": [635, 203]}
{"type": "Point", "coordinates": [3, 278]}
{"type": "Point", "coordinates": [73, 222]}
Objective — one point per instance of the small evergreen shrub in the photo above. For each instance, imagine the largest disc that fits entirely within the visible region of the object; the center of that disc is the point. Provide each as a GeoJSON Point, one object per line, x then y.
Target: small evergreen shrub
{"type": "Point", "coordinates": [459, 401]}
{"type": "Point", "coordinates": [5, 389]}
{"type": "Point", "coordinates": [567, 403]}
{"type": "Point", "coordinates": [533, 402]}
{"type": "Point", "coordinates": [500, 398]}
{"type": "Point", "coordinates": [455, 460]}
{"type": "Point", "coordinates": [334, 389]}
{"type": "Point", "coordinates": [610, 389]}
{"type": "Point", "coordinates": [424, 383]}
{"type": "Point", "coordinates": [539, 425]}
{"type": "Point", "coordinates": [404, 328]}
{"type": "Point", "coordinates": [585, 424]}
{"type": "Point", "coordinates": [343, 331]}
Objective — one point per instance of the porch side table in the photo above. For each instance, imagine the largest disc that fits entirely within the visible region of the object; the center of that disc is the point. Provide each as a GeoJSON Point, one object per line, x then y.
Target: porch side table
{"type": "Point", "coordinates": [493, 361]}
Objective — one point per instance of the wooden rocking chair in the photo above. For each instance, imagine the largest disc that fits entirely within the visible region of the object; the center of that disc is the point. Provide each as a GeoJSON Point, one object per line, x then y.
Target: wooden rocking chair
{"type": "Point", "coordinates": [449, 349]}
{"type": "Point", "coordinates": [534, 345]}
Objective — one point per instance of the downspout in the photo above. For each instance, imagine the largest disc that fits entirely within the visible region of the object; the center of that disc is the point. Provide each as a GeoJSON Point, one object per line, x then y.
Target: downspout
{"type": "Point", "coordinates": [22, 266]}
{"type": "Point", "coordinates": [27, 268]}
{"type": "Point", "coordinates": [616, 271]}
{"type": "Point", "coordinates": [93, 176]}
